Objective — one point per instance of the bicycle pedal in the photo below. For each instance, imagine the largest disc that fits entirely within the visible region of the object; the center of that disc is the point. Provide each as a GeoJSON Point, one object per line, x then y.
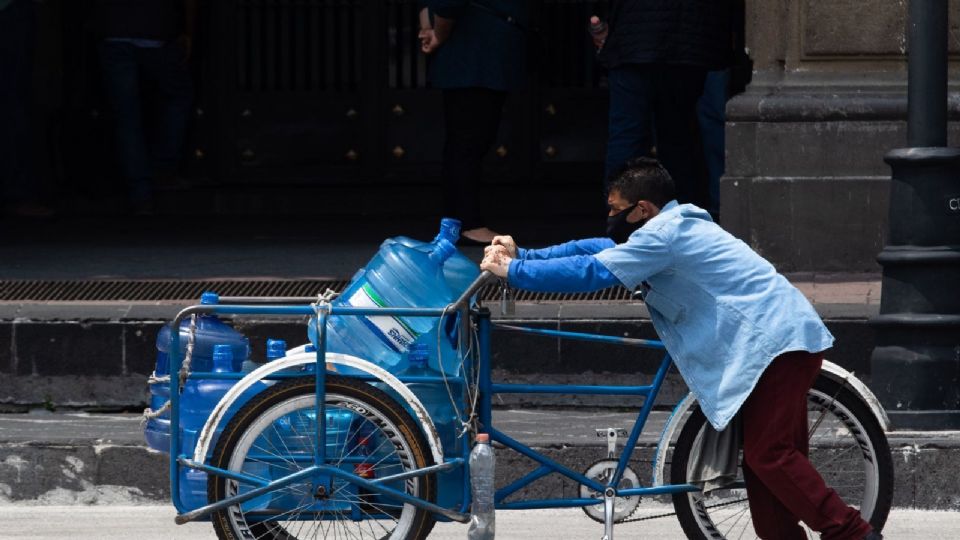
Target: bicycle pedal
{"type": "Point", "coordinates": [611, 434]}
{"type": "Point", "coordinates": [605, 432]}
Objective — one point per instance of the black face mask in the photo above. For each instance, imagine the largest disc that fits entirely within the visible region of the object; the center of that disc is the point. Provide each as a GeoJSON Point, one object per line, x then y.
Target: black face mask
{"type": "Point", "coordinates": [619, 229]}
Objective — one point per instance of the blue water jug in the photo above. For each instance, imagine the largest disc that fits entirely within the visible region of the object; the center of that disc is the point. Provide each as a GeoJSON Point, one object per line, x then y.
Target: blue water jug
{"type": "Point", "coordinates": [397, 276]}
{"type": "Point", "coordinates": [434, 397]}
{"type": "Point", "coordinates": [217, 348]}
{"type": "Point", "coordinates": [210, 331]}
{"type": "Point", "coordinates": [459, 271]}
{"type": "Point", "coordinates": [437, 399]}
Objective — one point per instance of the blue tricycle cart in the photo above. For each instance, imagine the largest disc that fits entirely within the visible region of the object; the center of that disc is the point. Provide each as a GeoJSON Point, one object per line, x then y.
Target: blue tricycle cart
{"type": "Point", "coordinates": [321, 443]}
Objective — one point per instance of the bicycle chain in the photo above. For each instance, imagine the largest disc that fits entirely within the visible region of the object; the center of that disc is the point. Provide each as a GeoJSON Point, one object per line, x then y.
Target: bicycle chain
{"type": "Point", "coordinates": [670, 514]}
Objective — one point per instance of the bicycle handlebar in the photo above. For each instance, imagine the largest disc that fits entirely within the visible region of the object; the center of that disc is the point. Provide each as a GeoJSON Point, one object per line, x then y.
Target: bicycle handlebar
{"type": "Point", "coordinates": [482, 280]}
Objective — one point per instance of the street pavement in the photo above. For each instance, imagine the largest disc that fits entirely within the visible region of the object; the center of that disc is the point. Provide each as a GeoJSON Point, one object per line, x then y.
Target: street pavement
{"type": "Point", "coordinates": [22, 522]}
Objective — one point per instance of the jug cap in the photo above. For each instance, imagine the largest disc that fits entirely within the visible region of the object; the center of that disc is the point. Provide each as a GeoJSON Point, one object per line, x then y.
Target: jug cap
{"type": "Point", "coordinates": [450, 229]}
{"type": "Point", "coordinates": [209, 298]}
{"type": "Point", "coordinates": [276, 348]}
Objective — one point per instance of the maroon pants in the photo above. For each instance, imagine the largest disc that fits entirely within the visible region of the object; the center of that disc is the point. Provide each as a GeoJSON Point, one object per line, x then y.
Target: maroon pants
{"type": "Point", "coordinates": [782, 485]}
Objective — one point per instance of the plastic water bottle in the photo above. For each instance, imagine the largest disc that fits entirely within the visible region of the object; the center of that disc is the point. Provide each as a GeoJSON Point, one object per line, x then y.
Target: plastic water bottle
{"type": "Point", "coordinates": [482, 517]}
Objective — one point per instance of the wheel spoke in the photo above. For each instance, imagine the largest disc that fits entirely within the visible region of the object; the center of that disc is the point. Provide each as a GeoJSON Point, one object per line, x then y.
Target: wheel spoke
{"type": "Point", "coordinates": [843, 448]}
{"type": "Point", "coordinates": [284, 429]}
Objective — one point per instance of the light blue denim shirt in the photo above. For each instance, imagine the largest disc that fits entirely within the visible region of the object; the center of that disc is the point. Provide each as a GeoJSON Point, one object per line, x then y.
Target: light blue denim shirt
{"type": "Point", "coordinates": [723, 311]}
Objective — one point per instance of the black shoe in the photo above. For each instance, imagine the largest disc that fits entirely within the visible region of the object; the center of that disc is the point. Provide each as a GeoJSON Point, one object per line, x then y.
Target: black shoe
{"type": "Point", "coordinates": [874, 535]}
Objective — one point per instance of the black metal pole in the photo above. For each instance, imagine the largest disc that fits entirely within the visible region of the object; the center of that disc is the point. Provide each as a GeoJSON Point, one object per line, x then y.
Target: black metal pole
{"type": "Point", "coordinates": [927, 74]}
{"type": "Point", "coordinates": [916, 362]}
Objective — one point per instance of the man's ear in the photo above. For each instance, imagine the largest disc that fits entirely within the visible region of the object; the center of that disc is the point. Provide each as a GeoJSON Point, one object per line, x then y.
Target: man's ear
{"type": "Point", "coordinates": [649, 210]}
{"type": "Point", "coordinates": [643, 211]}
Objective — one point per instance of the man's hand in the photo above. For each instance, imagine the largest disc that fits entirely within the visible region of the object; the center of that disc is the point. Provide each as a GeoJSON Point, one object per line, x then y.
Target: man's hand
{"type": "Point", "coordinates": [497, 260]}
{"type": "Point", "coordinates": [429, 42]}
{"type": "Point", "coordinates": [432, 38]}
{"type": "Point", "coordinates": [505, 241]}
{"type": "Point", "coordinates": [599, 37]}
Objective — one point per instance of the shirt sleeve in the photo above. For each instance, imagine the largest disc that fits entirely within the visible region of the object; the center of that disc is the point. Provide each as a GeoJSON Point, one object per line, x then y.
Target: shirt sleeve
{"type": "Point", "coordinates": [587, 246]}
{"type": "Point", "coordinates": [448, 9]}
{"type": "Point", "coordinates": [644, 254]}
{"type": "Point", "coordinates": [579, 273]}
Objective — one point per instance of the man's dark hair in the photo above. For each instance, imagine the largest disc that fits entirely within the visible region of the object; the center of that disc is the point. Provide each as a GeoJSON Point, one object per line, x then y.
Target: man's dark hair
{"type": "Point", "coordinates": [643, 179]}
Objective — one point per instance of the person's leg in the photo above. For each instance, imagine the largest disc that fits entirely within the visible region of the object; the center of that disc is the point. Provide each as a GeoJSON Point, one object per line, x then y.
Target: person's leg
{"type": "Point", "coordinates": [17, 42]}
{"type": "Point", "coordinates": [122, 83]}
{"type": "Point", "coordinates": [771, 519]}
{"type": "Point", "coordinates": [630, 127]}
{"type": "Point", "coordinates": [711, 115]}
{"type": "Point", "coordinates": [166, 68]}
{"type": "Point", "coordinates": [774, 449]}
{"type": "Point", "coordinates": [471, 119]}
{"type": "Point", "coordinates": [677, 89]}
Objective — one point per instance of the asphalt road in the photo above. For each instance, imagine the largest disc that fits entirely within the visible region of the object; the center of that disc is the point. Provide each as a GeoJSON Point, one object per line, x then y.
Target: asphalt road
{"type": "Point", "coordinates": [21, 522]}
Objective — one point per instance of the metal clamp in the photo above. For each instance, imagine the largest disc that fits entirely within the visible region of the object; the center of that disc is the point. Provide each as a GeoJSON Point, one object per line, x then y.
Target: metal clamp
{"type": "Point", "coordinates": [508, 304]}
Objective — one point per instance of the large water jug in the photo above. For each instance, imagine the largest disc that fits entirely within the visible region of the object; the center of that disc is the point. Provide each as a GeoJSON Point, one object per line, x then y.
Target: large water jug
{"type": "Point", "coordinates": [210, 331]}
{"type": "Point", "coordinates": [217, 348]}
{"type": "Point", "coordinates": [435, 397]}
{"type": "Point", "coordinates": [459, 271]}
{"type": "Point", "coordinates": [397, 276]}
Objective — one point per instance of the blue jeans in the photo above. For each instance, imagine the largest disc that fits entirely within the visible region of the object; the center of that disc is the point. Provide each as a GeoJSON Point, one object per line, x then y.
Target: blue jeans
{"type": "Point", "coordinates": [18, 33]}
{"type": "Point", "coordinates": [123, 67]}
{"type": "Point", "coordinates": [656, 104]}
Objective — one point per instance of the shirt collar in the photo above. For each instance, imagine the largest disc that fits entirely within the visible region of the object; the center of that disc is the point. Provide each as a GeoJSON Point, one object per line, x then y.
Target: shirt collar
{"type": "Point", "coordinates": [668, 208]}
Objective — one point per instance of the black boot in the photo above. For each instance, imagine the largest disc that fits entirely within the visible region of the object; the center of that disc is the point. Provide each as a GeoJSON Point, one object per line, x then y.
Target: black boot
{"type": "Point", "coordinates": [874, 535]}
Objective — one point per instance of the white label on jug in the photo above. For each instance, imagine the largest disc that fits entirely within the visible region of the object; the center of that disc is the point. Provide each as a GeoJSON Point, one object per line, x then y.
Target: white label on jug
{"type": "Point", "coordinates": [391, 330]}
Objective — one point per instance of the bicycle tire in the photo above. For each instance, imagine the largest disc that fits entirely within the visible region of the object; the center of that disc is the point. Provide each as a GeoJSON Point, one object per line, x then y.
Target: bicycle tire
{"type": "Point", "coordinates": [359, 416]}
{"type": "Point", "coordinates": [726, 513]}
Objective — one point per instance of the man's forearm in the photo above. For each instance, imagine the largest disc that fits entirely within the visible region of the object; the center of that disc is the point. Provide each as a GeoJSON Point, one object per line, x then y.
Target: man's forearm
{"type": "Point", "coordinates": [583, 273]}
{"type": "Point", "coordinates": [586, 246]}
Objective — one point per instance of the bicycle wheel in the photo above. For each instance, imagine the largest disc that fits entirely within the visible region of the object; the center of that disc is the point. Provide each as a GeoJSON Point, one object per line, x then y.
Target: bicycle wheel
{"type": "Point", "coordinates": [847, 446]}
{"type": "Point", "coordinates": [367, 433]}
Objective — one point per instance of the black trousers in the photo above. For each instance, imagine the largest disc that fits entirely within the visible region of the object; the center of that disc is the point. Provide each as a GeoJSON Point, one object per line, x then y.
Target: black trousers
{"type": "Point", "coordinates": [471, 119]}
{"type": "Point", "coordinates": [656, 104]}
{"type": "Point", "coordinates": [18, 33]}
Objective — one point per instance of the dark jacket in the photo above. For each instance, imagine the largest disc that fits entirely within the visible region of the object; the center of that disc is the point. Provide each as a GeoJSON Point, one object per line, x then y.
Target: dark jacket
{"type": "Point", "coordinates": [161, 20]}
{"type": "Point", "coordinates": [485, 50]}
{"type": "Point", "coordinates": [689, 32]}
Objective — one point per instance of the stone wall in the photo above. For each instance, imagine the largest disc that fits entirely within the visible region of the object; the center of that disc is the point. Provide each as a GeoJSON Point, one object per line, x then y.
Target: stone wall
{"type": "Point", "coordinates": [806, 184]}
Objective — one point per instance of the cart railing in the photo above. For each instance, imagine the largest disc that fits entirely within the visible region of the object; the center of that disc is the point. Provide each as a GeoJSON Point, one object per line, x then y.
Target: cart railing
{"type": "Point", "coordinates": [322, 310]}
